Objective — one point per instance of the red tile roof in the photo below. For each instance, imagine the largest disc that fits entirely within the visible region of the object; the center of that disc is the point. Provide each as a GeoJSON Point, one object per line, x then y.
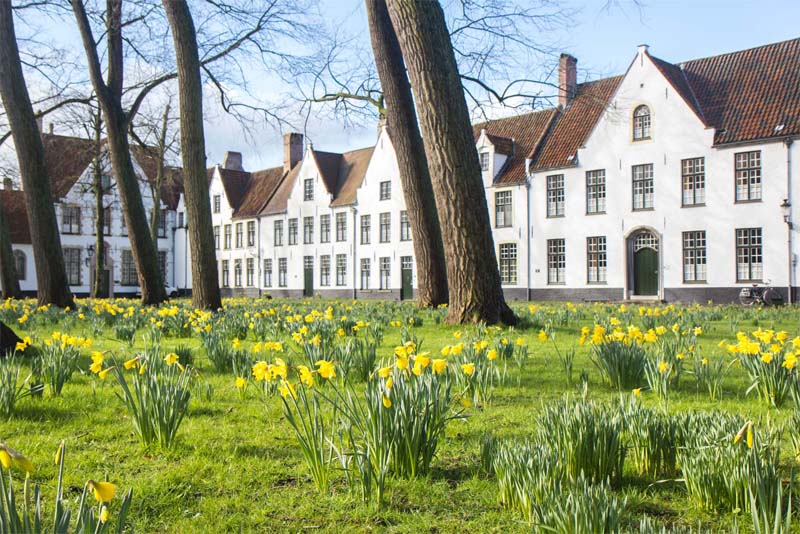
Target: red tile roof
{"type": "Point", "coordinates": [260, 188]}
{"type": "Point", "coordinates": [351, 175]}
{"type": "Point", "coordinates": [527, 131]}
{"type": "Point", "coordinates": [748, 95]}
{"type": "Point", "coordinates": [66, 158]}
{"type": "Point", "coordinates": [677, 78]}
{"type": "Point", "coordinates": [575, 124]}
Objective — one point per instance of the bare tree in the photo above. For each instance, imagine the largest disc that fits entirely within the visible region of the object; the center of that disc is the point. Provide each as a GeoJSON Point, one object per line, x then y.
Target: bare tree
{"type": "Point", "coordinates": [473, 277]}
{"type": "Point", "coordinates": [9, 278]}
{"type": "Point", "coordinates": [205, 285]}
{"type": "Point", "coordinates": [52, 282]}
{"type": "Point", "coordinates": [402, 125]}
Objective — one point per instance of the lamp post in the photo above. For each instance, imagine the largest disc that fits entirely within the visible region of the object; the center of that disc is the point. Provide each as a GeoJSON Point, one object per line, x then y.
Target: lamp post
{"type": "Point", "coordinates": [786, 210]}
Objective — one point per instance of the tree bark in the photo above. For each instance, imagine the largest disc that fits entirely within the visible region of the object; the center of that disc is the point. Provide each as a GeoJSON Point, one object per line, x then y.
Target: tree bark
{"type": "Point", "coordinates": [9, 279]}
{"type": "Point", "coordinates": [205, 285]}
{"type": "Point", "coordinates": [51, 275]}
{"type": "Point", "coordinates": [155, 187]}
{"type": "Point", "coordinates": [473, 277]}
{"type": "Point", "coordinates": [109, 94]}
{"type": "Point", "coordinates": [401, 122]}
{"type": "Point", "coordinates": [100, 286]}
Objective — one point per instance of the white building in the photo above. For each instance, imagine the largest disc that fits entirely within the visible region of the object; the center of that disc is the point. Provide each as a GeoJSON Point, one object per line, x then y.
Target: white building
{"type": "Point", "coordinates": [670, 182]}
{"type": "Point", "coordinates": [69, 164]}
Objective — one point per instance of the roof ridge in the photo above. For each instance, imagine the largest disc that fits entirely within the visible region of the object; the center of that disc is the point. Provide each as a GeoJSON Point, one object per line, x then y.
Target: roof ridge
{"type": "Point", "coordinates": [733, 52]}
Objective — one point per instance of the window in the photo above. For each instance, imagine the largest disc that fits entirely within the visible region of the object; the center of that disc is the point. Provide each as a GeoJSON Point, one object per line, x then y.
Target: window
{"type": "Point", "coordinates": [556, 261]}
{"type": "Point", "coordinates": [216, 237]}
{"type": "Point", "coordinates": [71, 220]}
{"type": "Point", "coordinates": [596, 191]}
{"type": "Point", "coordinates": [484, 157]}
{"type": "Point", "coordinates": [162, 224]}
{"type": "Point", "coordinates": [341, 226]}
{"type": "Point", "coordinates": [324, 228]}
{"type": "Point", "coordinates": [180, 219]}
{"type": "Point", "coordinates": [385, 272]}
{"type": "Point", "coordinates": [105, 183]}
{"type": "Point", "coordinates": [325, 270]}
{"type": "Point", "coordinates": [384, 227]}
{"type": "Point", "coordinates": [308, 189]}
{"type": "Point", "coordinates": [596, 261]}
{"type": "Point", "coordinates": [239, 235]}
{"type": "Point", "coordinates": [237, 273]}
{"type": "Point", "coordinates": [508, 263]}
{"type": "Point", "coordinates": [643, 187]}
{"type": "Point", "coordinates": [162, 264]}
{"type": "Point", "coordinates": [386, 190]}
{"type": "Point", "coordinates": [502, 209]}
{"type": "Point", "coordinates": [251, 271]}
{"type": "Point", "coordinates": [555, 195]}
{"type": "Point", "coordinates": [278, 233]}
{"type": "Point", "coordinates": [227, 236]}
{"type": "Point", "coordinates": [216, 203]}
{"type": "Point", "coordinates": [282, 268]}
{"type": "Point", "coordinates": [268, 272]}
{"type": "Point", "coordinates": [225, 274]}
{"type": "Point", "coordinates": [20, 264]}
{"type": "Point", "coordinates": [405, 227]}
{"type": "Point", "coordinates": [365, 273]}
{"type": "Point", "coordinates": [749, 262]}
{"type": "Point", "coordinates": [308, 230]}
{"type": "Point", "coordinates": [251, 233]}
{"type": "Point", "coordinates": [366, 222]}
{"type": "Point", "coordinates": [748, 176]}
{"type": "Point", "coordinates": [341, 269]}
{"type": "Point", "coordinates": [694, 256]}
{"type": "Point", "coordinates": [641, 123]}
{"type": "Point", "coordinates": [693, 178]}
{"type": "Point", "coordinates": [128, 275]}
{"type": "Point", "coordinates": [293, 231]}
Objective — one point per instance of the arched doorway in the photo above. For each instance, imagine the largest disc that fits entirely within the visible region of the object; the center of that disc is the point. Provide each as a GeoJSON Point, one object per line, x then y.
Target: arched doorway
{"type": "Point", "coordinates": [643, 263]}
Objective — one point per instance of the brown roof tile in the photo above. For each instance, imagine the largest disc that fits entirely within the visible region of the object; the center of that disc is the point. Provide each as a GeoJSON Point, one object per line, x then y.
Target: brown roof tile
{"type": "Point", "coordinates": [260, 188]}
{"type": "Point", "coordinates": [279, 199]}
{"type": "Point", "coordinates": [66, 158]}
{"type": "Point", "coordinates": [576, 123]}
{"type": "Point", "coordinates": [677, 78]}
{"type": "Point", "coordinates": [235, 184]}
{"type": "Point", "coordinates": [328, 164]}
{"type": "Point", "coordinates": [351, 175]}
{"type": "Point", "coordinates": [746, 95]}
{"type": "Point", "coordinates": [527, 131]}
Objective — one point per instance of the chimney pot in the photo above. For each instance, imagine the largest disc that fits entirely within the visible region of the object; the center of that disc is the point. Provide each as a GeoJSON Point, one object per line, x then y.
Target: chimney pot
{"type": "Point", "coordinates": [567, 79]}
{"type": "Point", "coordinates": [40, 124]}
{"type": "Point", "coordinates": [642, 48]}
{"type": "Point", "coordinates": [233, 161]}
{"type": "Point", "coordinates": [51, 128]}
{"type": "Point", "coordinates": [292, 150]}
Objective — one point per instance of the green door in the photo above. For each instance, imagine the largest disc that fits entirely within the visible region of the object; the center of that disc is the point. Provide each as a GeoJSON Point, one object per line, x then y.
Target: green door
{"type": "Point", "coordinates": [645, 272]}
{"type": "Point", "coordinates": [308, 276]}
{"type": "Point", "coordinates": [406, 270]}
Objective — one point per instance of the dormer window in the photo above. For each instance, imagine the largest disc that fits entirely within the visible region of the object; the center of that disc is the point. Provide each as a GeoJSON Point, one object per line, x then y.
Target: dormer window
{"type": "Point", "coordinates": [641, 123]}
{"type": "Point", "coordinates": [484, 161]}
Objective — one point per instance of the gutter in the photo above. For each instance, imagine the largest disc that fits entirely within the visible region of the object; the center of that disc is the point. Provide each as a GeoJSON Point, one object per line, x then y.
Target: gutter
{"type": "Point", "coordinates": [528, 226]}
{"type": "Point", "coordinates": [789, 225]}
{"type": "Point", "coordinates": [355, 252]}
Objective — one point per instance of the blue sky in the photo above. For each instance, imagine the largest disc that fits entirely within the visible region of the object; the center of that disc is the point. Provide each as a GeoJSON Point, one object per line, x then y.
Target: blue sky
{"type": "Point", "coordinates": [604, 40]}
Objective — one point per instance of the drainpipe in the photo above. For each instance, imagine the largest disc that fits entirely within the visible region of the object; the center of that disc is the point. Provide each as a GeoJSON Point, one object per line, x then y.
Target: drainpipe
{"type": "Point", "coordinates": [528, 225]}
{"type": "Point", "coordinates": [789, 225]}
{"type": "Point", "coordinates": [259, 273]}
{"type": "Point", "coordinates": [355, 255]}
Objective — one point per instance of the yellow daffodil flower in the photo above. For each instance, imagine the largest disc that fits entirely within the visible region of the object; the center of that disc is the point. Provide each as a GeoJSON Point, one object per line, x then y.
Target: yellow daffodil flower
{"type": "Point", "coordinates": [468, 368]}
{"type": "Point", "coordinates": [326, 369]}
{"type": "Point", "coordinates": [103, 491]}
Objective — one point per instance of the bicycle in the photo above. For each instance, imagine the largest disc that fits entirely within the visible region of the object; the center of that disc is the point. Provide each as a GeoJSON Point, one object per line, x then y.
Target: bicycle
{"type": "Point", "coordinates": [764, 295]}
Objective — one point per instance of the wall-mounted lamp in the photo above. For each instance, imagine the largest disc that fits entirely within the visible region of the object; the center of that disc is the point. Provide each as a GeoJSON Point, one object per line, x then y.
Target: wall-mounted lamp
{"type": "Point", "coordinates": [786, 210]}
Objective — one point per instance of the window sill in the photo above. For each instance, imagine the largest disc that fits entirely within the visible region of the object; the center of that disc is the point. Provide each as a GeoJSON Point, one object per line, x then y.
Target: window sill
{"type": "Point", "coordinates": [696, 282]}
{"type": "Point", "coordinates": [747, 201]}
{"type": "Point", "coordinates": [556, 216]}
{"type": "Point", "coordinates": [643, 209]}
{"type": "Point", "coordinates": [595, 213]}
{"type": "Point", "coordinates": [503, 226]}
{"type": "Point", "coordinates": [637, 139]}
{"type": "Point", "coordinates": [699, 205]}
{"type": "Point", "coordinates": [556, 283]}
{"type": "Point", "coordinates": [759, 281]}
{"type": "Point", "coordinates": [597, 283]}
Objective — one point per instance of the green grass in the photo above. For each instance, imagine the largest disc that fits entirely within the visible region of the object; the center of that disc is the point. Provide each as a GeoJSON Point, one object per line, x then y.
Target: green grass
{"type": "Point", "coordinates": [236, 466]}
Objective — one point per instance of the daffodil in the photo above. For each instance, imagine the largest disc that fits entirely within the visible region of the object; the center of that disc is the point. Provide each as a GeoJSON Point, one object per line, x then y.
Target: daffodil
{"type": "Point", "coordinates": [326, 369]}
{"type": "Point", "coordinates": [491, 354]}
{"type": "Point", "coordinates": [468, 368]}
{"type": "Point", "coordinates": [102, 374]}
{"type": "Point", "coordinates": [383, 372]}
{"type": "Point", "coordinates": [663, 367]}
{"type": "Point", "coordinates": [130, 364]}
{"type": "Point", "coordinates": [171, 358]}
{"type": "Point", "coordinates": [637, 392]}
{"type": "Point", "coordinates": [387, 402]}
{"type": "Point", "coordinates": [439, 365]}
{"type": "Point", "coordinates": [103, 491]}
{"type": "Point", "coordinates": [241, 382]}
{"type": "Point", "coordinates": [306, 375]}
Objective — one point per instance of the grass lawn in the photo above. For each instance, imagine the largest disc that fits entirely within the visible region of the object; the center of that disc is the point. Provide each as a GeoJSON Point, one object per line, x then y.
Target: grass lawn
{"type": "Point", "coordinates": [236, 466]}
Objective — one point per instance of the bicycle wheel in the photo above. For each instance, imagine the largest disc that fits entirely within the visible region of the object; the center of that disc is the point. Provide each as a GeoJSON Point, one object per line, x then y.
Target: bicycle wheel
{"type": "Point", "coordinates": [772, 297]}
{"type": "Point", "coordinates": [746, 297]}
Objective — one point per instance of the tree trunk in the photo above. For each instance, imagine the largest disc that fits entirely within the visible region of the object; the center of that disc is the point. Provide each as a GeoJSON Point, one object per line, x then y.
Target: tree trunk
{"type": "Point", "coordinates": [473, 277]}
{"type": "Point", "coordinates": [9, 279]}
{"type": "Point", "coordinates": [143, 249]}
{"type": "Point", "coordinates": [205, 285]}
{"type": "Point", "coordinates": [155, 188]}
{"type": "Point", "coordinates": [51, 275]}
{"type": "Point", "coordinates": [100, 286]}
{"type": "Point", "coordinates": [401, 121]}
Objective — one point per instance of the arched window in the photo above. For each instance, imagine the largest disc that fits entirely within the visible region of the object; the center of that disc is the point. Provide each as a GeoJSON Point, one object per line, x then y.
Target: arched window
{"type": "Point", "coordinates": [641, 123]}
{"type": "Point", "coordinates": [20, 264]}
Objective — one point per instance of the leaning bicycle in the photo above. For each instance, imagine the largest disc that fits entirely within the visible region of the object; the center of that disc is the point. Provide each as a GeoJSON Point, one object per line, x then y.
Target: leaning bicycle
{"type": "Point", "coordinates": [764, 295]}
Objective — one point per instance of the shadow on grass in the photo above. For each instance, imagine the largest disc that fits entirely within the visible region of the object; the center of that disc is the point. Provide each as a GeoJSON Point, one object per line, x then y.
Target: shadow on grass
{"type": "Point", "coordinates": [42, 411]}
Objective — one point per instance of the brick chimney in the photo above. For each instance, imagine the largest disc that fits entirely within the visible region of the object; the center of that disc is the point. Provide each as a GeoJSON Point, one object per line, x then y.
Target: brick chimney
{"type": "Point", "coordinates": [233, 161]}
{"type": "Point", "coordinates": [567, 79]}
{"type": "Point", "coordinates": [292, 150]}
